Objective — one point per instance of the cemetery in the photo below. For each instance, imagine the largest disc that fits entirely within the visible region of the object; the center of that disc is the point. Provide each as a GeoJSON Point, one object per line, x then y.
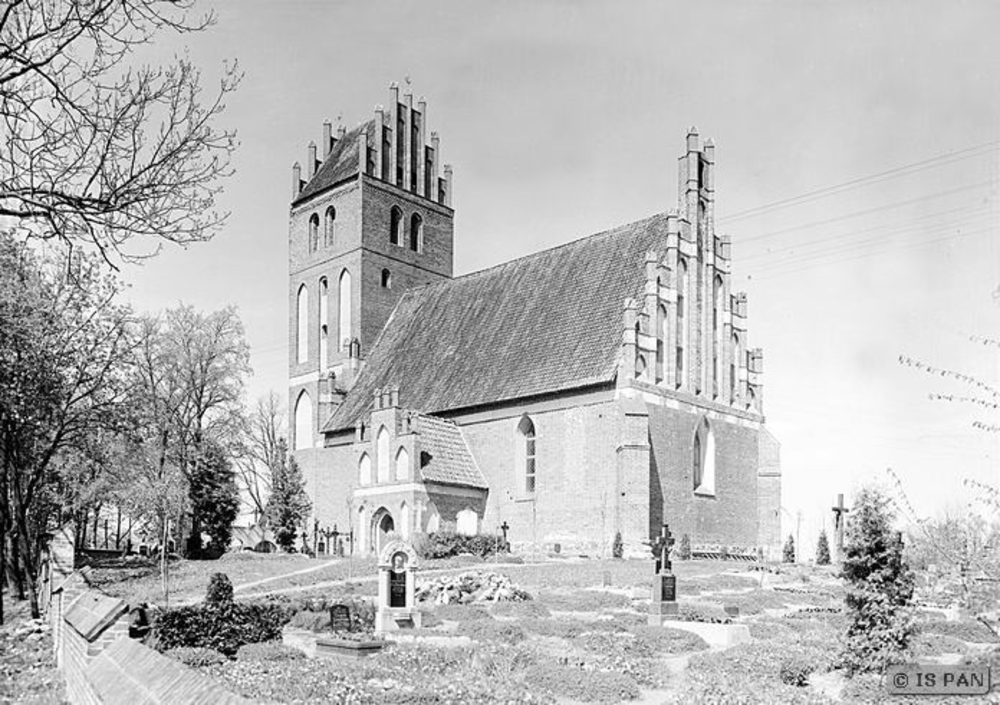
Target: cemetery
{"type": "Point", "coordinates": [561, 628]}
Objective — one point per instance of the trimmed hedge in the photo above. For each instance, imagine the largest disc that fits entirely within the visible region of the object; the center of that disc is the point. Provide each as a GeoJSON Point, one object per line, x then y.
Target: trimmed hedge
{"type": "Point", "coordinates": [445, 544]}
{"type": "Point", "coordinates": [224, 627]}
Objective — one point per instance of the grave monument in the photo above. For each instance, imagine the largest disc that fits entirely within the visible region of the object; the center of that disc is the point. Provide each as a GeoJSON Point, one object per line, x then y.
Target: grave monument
{"type": "Point", "coordinates": [397, 608]}
{"type": "Point", "coordinates": [664, 603]}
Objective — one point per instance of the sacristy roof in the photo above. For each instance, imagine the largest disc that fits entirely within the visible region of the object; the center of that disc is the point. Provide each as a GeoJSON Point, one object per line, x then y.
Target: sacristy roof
{"type": "Point", "coordinates": [448, 458]}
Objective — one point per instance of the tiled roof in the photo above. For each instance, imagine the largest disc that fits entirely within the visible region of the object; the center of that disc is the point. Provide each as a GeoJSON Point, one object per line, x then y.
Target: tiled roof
{"type": "Point", "coordinates": [547, 322]}
{"type": "Point", "coordinates": [448, 459]}
{"type": "Point", "coordinates": [340, 164]}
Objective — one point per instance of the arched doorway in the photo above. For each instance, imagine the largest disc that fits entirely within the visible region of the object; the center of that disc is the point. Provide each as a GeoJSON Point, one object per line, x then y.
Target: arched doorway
{"type": "Point", "coordinates": [382, 526]}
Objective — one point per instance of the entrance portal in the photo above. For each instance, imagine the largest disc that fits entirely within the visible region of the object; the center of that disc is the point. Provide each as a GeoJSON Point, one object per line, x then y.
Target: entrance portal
{"type": "Point", "coordinates": [384, 525]}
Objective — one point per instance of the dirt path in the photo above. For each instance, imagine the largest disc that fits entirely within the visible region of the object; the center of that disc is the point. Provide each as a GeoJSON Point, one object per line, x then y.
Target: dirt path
{"type": "Point", "coordinates": [310, 569]}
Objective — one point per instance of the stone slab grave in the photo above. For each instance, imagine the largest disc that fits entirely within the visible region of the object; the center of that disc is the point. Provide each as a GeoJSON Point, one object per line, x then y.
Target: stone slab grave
{"type": "Point", "coordinates": [397, 609]}
{"type": "Point", "coordinates": [340, 621]}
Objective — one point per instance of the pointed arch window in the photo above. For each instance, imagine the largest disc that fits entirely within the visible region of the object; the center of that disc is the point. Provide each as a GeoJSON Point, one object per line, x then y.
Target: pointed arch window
{"type": "Point", "coordinates": [395, 225]}
{"type": "Point", "coordinates": [330, 227]}
{"type": "Point", "coordinates": [365, 470]}
{"type": "Point", "coordinates": [303, 421]}
{"type": "Point", "coordinates": [344, 319]}
{"type": "Point", "coordinates": [386, 279]}
{"type": "Point", "coordinates": [681, 333]}
{"type": "Point", "coordinates": [716, 336]}
{"type": "Point", "coordinates": [402, 465]}
{"type": "Point", "coordinates": [703, 460]}
{"type": "Point", "coordinates": [527, 455]}
{"type": "Point", "coordinates": [302, 325]}
{"type": "Point", "coordinates": [382, 460]}
{"type": "Point", "coordinates": [661, 341]}
{"type": "Point", "coordinates": [324, 295]}
{"type": "Point", "coordinates": [313, 232]}
{"type": "Point", "coordinates": [416, 233]}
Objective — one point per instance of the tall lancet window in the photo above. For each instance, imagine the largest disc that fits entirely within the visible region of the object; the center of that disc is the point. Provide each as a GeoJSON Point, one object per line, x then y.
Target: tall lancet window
{"type": "Point", "coordinates": [313, 232]}
{"type": "Point", "coordinates": [302, 325]}
{"type": "Point", "coordinates": [661, 340]}
{"type": "Point", "coordinates": [716, 336]}
{"type": "Point", "coordinates": [680, 354]}
{"type": "Point", "coordinates": [344, 319]}
{"type": "Point", "coordinates": [703, 460]}
{"type": "Point", "coordinates": [395, 226]}
{"type": "Point", "coordinates": [416, 233]}
{"type": "Point", "coordinates": [526, 454]}
{"type": "Point", "coordinates": [382, 460]}
{"type": "Point", "coordinates": [324, 296]}
{"type": "Point", "coordinates": [303, 421]}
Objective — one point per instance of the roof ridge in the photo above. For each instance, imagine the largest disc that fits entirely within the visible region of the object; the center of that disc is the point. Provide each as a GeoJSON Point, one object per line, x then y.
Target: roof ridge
{"type": "Point", "coordinates": [578, 241]}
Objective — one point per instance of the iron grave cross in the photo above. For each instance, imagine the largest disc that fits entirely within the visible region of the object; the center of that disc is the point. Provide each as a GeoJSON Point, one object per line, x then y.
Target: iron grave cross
{"type": "Point", "coordinates": [661, 549]}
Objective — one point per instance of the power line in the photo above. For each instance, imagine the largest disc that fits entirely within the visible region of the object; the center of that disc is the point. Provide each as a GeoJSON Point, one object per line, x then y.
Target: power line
{"type": "Point", "coordinates": [905, 170]}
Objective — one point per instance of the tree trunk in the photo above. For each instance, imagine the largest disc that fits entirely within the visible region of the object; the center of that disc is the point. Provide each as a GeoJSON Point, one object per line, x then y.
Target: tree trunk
{"type": "Point", "coordinates": [164, 577]}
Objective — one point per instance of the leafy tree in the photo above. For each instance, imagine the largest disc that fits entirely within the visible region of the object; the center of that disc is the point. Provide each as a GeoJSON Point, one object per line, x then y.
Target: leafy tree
{"type": "Point", "coordinates": [215, 501]}
{"type": "Point", "coordinates": [879, 587]}
{"type": "Point", "coordinates": [98, 150]}
{"type": "Point", "coordinates": [788, 554]}
{"type": "Point", "coordinates": [289, 505]}
{"type": "Point", "coordinates": [822, 549]}
{"type": "Point", "coordinates": [63, 347]}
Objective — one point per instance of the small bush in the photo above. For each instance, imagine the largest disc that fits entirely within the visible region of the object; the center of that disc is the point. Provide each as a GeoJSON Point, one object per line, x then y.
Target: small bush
{"type": "Point", "coordinates": [703, 612]}
{"type": "Point", "coordinates": [788, 553]}
{"type": "Point", "coordinates": [617, 546]}
{"type": "Point", "coordinates": [796, 671]}
{"type": "Point", "coordinates": [684, 550]}
{"type": "Point", "coordinates": [270, 651]}
{"type": "Point", "coordinates": [220, 590]}
{"type": "Point", "coordinates": [197, 657]}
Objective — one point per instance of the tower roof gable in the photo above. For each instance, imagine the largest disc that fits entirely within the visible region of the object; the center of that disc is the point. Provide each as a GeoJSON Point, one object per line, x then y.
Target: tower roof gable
{"type": "Point", "coordinates": [340, 164]}
{"type": "Point", "coordinates": [545, 323]}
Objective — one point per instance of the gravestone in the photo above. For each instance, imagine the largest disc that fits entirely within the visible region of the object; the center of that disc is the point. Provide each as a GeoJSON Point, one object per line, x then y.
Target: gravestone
{"type": "Point", "coordinates": [663, 605]}
{"type": "Point", "coordinates": [397, 608]}
{"type": "Point", "coordinates": [340, 618]}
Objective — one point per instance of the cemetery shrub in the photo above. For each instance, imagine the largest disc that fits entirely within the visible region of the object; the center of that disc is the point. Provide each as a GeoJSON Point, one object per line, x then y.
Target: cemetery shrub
{"type": "Point", "coordinates": [684, 549]}
{"type": "Point", "coordinates": [197, 657]}
{"type": "Point", "coordinates": [822, 549]}
{"type": "Point", "coordinates": [788, 554]}
{"type": "Point", "coordinates": [702, 612]}
{"type": "Point", "coordinates": [224, 627]}
{"type": "Point", "coordinates": [879, 588]}
{"type": "Point", "coordinates": [445, 544]}
{"type": "Point", "coordinates": [269, 651]}
{"type": "Point", "coordinates": [618, 546]}
{"type": "Point", "coordinates": [795, 670]}
{"type": "Point", "coordinates": [220, 590]}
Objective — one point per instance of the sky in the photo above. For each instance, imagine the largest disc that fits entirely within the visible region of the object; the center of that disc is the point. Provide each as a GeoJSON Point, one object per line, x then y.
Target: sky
{"type": "Point", "coordinates": [857, 153]}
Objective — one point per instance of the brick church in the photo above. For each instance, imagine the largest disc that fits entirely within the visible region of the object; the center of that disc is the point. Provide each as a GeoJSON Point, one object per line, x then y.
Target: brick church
{"type": "Point", "coordinates": [606, 385]}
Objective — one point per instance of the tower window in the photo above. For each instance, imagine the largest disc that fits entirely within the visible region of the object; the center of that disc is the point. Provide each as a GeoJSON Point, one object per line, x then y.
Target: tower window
{"type": "Point", "coordinates": [323, 303]}
{"type": "Point", "coordinates": [661, 341]}
{"type": "Point", "coordinates": [329, 231]}
{"type": "Point", "coordinates": [302, 325]}
{"type": "Point", "coordinates": [344, 327]}
{"type": "Point", "coordinates": [303, 421]}
{"type": "Point", "coordinates": [395, 225]}
{"type": "Point", "coordinates": [365, 470]}
{"type": "Point", "coordinates": [681, 336]}
{"type": "Point", "coordinates": [416, 233]}
{"type": "Point", "coordinates": [526, 454]}
{"type": "Point", "coordinates": [313, 232]}
{"type": "Point", "coordinates": [386, 279]}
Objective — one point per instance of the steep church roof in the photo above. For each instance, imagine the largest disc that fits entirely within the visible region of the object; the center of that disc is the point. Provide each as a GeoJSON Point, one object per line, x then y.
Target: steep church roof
{"type": "Point", "coordinates": [340, 164]}
{"type": "Point", "coordinates": [544, 323]}
{"type": "Point", "coordinates": [448, 459]}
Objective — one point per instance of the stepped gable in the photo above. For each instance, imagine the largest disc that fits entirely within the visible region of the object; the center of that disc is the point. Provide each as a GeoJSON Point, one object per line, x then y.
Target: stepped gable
{"type": "Point", "coordinates": [544, 323]}
{"type": "Point", "coordinates": [448, 459]}
{"type": "Point", "coordinates": [341, 164]}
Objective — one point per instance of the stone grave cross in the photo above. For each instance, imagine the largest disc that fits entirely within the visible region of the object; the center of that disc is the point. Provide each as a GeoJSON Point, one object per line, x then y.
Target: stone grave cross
{"type": "Point", "coordinates": [839, 519]}
{"type": "Point", "coordinates": [661, 550]}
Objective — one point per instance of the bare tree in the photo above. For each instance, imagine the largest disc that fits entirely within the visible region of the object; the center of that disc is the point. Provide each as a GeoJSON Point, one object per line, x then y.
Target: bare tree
{"type": "Point", "coordinates": [262, 450]}
{"type": "Point", "coordinates": [95, 151]}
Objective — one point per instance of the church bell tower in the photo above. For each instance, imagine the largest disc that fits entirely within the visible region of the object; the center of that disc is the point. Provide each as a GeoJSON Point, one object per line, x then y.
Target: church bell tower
{"type": "Point", "coordinates": [371, 217]}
